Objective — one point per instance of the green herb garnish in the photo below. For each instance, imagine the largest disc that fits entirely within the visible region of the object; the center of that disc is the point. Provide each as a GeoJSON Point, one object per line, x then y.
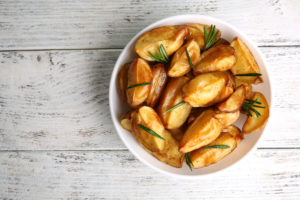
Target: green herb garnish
{"type": "Point", "coordinates": [217, 147]}
{"type": "Point", "coordinates": [161, 56]}
{"type": "Point", "coordinates": [189, 58]}
{"type": "Point", "coordinates": [249, 74]}
{"type": "Point", "coordinates": [176, 106]}
{"type": "Point", "coordinates": [150, 131]}
{"type": "Point", "coordinates": [249, 104]}
{"type": "Point", "coordinates": [188, 161]}
{"type": "Point", "coordinates": [210, 38]}
{"type": "Point", "coordinates": [137, 85]}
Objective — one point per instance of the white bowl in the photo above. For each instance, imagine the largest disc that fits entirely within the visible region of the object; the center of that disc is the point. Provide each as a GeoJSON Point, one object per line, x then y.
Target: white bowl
{"type": "Point", "coordinates": [118, 107]}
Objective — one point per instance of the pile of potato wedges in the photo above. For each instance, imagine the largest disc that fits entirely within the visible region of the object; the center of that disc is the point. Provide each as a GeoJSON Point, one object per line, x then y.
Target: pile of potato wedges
{"type": "Point", "coordinates": [185, 97]}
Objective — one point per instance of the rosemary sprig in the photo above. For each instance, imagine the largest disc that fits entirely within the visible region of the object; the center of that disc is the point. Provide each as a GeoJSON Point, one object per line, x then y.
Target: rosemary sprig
{"type": "Point", "coordinates": [161, 55]}
{"type": "Point", "coordinates": [249, 74]}
{"type": "Point", "coordinates": [176, 106]}
{"type": "Point", "coordinates": [150, 131]}
{"type": "Point", "coordinates": [217, 147]}
{"type": "Point", "coordinates": [189, 58]}
{"type": "Point", "coordinates": [188, 161]}
{"type": "Point", "coordinates": [210, 38]}
{"type": "Point", "coordinates": [137, 85]}
{"type": "Point", "coordinates": [249, 104]}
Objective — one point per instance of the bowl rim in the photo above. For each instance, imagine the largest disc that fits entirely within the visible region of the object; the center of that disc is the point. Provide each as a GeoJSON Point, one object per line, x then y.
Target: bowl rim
{"type": "Point", "coordinates": [116, 69]}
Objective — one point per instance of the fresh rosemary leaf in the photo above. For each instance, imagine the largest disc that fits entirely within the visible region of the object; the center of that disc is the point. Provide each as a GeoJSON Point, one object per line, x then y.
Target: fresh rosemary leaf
{"type": "Point", "coordinates": [137, 85]}
{"type": "Point", "coordinates": [161, 56]}
{"type": "Point", "coordinates": [176, 106]}
{"type": "Point", "coordinates": [189, 58]}
{"type": "Point", "coordinates": [188, 161]}
{"type": "Point", "coordinates": [252, 101]}
{"type": "Point", "coordinates": [250, 105]}
{"type": "Point", "coordinates": [217, 147]}
{"type": "Point", "coordinates": [210, 38]}
{"type": "Point", "coordinates": [249, 74]}
{"type": "Point", "coordinates": [150, 131]}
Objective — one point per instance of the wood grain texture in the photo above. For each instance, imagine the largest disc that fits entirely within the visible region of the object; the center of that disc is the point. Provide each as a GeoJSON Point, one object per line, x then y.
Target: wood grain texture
{"type": "Point", "coordinates": [59, 100]}
{"type": "Point", "coordinates": [56, 24]}
{"type": "Point", "coordinates": [267, 174]}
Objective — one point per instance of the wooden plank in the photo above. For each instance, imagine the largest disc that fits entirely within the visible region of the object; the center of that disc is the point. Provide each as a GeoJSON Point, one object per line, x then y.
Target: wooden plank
{"type": "Point", "coordinates": [111, 23]}
{"type": "Point", "coordinates": [267, 174]}
{"type": "Point", "coordinates": [59, 100]}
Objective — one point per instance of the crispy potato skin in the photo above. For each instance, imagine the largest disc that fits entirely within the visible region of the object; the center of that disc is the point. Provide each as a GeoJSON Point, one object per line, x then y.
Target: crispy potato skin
{"type": "Point", "coordinates": [126, 121]}
{"type": "Point", "coordinates": [196, 32]}
{"type": "Point", "coordinates": [171, 96]}
{"type": "Point", "coordinates": [234, 102]}
{"type": "Point", "coordinates": [223, 42]}
{"type": "Point", "coordinates": [227, 118]}
{"type": "Point", "coordinates": [202, 90]}
{"type": "Point", "coordinates": [248, 87]}
{"type": "Point", "coordinates": [245, 63]}
{"type": "Point", "coordinates": [159, 80]}
{"type": "Point", "coordinates": [201, 132]}
{"type": "Point", "coordinates": [235, 132]}
{"type": "Point", "coordinates": [218, 58]}
{"type": "Point", "coordinates": [171, 37]}
{"type": "Point", "coordinates": [204, 157]}
{"type": "Point", "coordinates": [122, 80]}
{"type": "Point", "coordinates": [255, 123]}
{"type": "Point", "coordinates": [180, 65]}
{"type": "Point", "coordinates": [139, 71]}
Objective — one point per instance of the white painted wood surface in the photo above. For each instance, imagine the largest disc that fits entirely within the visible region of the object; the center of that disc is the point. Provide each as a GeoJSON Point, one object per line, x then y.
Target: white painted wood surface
{"type": "Point", "coordinates": [56, 137]}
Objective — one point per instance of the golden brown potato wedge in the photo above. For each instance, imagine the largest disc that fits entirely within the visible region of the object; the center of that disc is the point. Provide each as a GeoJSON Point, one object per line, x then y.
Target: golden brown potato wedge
{"type": "Point", "coordinates": [171, 96]}
{"type": "Point", "coordinates": [235, 132]}
{"type": "Point", "coordinates": [255, 123]}
{"type": "Point", "coordinates": [204, 88]}
{"type": "Point", "coordinates": [139, 72]}
{"type": "Point", "coordinates": [218, 58]}
{"type": "Point", "coordinates": [201, 132]}
{"type": "Point", "coordinates": [248, 87]}
{"type": "Point", "coordinates": [122, 80]}
{"type": "Point", "coordinates": [204, 157]}
{"type": "Point", "coordinates": [196, 32]}
{"type": "Point", "coordinates": [180, 64]}
{"type": "Point", "coordinates": [245, 62]}
{"type": "Point", "coordinates": [234, 102]}
{"type": "Point", "coordinates": [126, 121]}
{"type": "Point", "coordinates": [223, 42]}
{"type": "Point", "coordinates": [227, 118]}
{"type": "Point", "coordinates": [159, 80]}
{"type": "Point", "coordinates": [171, 37]}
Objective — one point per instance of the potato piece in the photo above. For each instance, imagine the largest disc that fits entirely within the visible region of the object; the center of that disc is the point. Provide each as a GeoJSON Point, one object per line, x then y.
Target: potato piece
{"type": "Point", "coordinates": [218, 58]}
{"type": "Point", "coordinates": [245, 62]}
{"type": "Point", "coordinates": [180, 64]}
{"type": "Point", "coordinates": [172, 95]}
{"type": "Point", "coordinates": [122, 80]}
{"type": "Point", "coordinates": [201, 132]}
{"type": "Point", "coordinates": [138, 72]}
{"type": "Point", "coordinates": [204, 88]}
{"type": "Point", "coordinates": [234, 102]}
{"type": "Point", "coordinates": [255, 123]}
{"type": "Point", "coordinates": [204, 157]}
{"type": "Point", "coordinates": [126, 121]}
{"type": "Point", "coordinates": [159, 80]}
{"type": "Point", "coordinates": [248, 87]}
{"type": "Point", "coordinates": [227, 118]}
{"type": "Point", "coordinates": [171, 37]}
{"type": "Point", "coordinates": [195, 112]}
{"type": "Point", "coordinates": [223, 42]}
{"type": "Point", "coordinates": [196, 32]}
{"type": "Point", "coordinates": [177, 133]}
{"type": "Point", "coordinates": [235, 132]}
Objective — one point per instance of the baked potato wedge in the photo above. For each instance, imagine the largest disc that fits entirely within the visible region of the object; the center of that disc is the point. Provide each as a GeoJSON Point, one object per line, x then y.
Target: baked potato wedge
{"type": "Point", "coordinates": [223, 42]}
{"type": "Point", "coordinates": [248, 87]}
{"type": "Point", "coordinates": [159, 80]}
{"type": "Point", "coordinates": [235, 132]}
{"type": "Point", "coordinates": [180, 64]}
{"type": "Point", "coordinates": [254, 122]}
{"type": "Point", "coordinates": [171, 37]}
{"type": "Point", "coordinates": [218, 58]}
{"type": "Point", "coordinates": [204, 157]}
{"type": "Point", "coordinates": [204, 88]}
{"type": "Point", "coordinates": [234, 102]}
{"type": "Point", "coordinates": [227, 118]}
{"type": "Point", "coordinates": [201, 132]}
{"type": "Point", "coordinates": [126, 121]}
{"type": "Point", "coordinates": [245, 62]}
{"type": "Point", "coordinates": [122, 80]}
{"type": "Point", "coordinates": [139, 72]}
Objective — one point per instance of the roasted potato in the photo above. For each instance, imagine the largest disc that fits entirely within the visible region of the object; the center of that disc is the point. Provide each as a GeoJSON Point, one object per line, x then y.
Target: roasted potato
{"type": "Point", "coordinates": [204, 157]}
{"type": "Point", "coordinates": [227, 118]}
{"type": "Point", "coordinates": [218, 58]}
{"type": "Point", "coordinates": [223, 42]}
{"type": "Point", "coordinates": [195, 112]}
{"type": "Point", "coordinates": [139, 72]}
{"type": "Point", "coordinates": [172, 95]}
{"type": "Point", "coordinates": [234, 102]}
{"type": "Point", "coordinates": [235, 132]}
{"type": "Point", "coordinates": [177, 133]}
{"type": "Point", "coordinates": [204, 88]}
{"type": "Point", "coordinates": [201, 132]}
{"type": "Point", "coordinates": [245, 62]}
{"type": "Point", "coordinates": [180, 64]}
{"type": "Point", "coordinates": [248, 87]}
{"type": "Point", "coordinates": [171, 37]}
{"type": "Point", "coordinates": [126, 121]}
{"type": "Point", "coordinates": [196, 32]}
{"type": "Point", "coordinates": [122, 80]}
{"type": "Point", "coordinates": [255, 123]}
{"type": "Point", "coordinates": [159, 80]}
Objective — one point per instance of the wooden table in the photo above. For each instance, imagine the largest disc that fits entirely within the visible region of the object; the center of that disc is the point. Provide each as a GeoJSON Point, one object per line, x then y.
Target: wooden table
{"type": "Point", "coordinates": [57, 140]}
